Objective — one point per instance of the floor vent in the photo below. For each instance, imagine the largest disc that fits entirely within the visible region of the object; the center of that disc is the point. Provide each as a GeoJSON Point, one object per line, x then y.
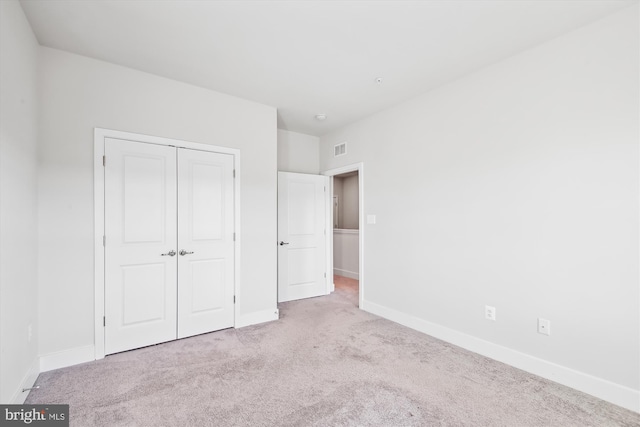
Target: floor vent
{"type": "Point", "coordinates": [340, 149]}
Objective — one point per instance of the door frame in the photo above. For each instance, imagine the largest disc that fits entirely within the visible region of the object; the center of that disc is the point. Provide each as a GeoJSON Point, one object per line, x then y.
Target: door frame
{"type": "Point", "coordinates": [354, 167]}
{"type": "Point", "coordinates": [99, 136]}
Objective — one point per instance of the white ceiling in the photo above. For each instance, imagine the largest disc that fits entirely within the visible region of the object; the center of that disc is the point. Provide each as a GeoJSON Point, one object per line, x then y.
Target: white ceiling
{"type": "Point", "coordinates": [308, 57]}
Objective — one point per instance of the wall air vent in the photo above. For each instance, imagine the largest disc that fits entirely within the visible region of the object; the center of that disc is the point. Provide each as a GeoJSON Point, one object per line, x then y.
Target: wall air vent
{"type": "Point", "coordinates": [340, 149]}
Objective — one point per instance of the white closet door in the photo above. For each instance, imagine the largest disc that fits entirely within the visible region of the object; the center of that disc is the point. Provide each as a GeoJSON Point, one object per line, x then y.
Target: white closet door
{"type": "Point", "coordinates": [140, 250]}
{"type": "Point", "coordinates": [205, 242]}
{"type": "Point", "coordinates": [301, 236]}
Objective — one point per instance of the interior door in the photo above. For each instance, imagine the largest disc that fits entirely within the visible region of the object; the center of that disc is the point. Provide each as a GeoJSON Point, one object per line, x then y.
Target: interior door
{"type": "Point", "coordinates": [140, 252]}
{"type": "Point", "coordinates": [205, 242]}
{"type": "Point", "coordinates": [301, 236]}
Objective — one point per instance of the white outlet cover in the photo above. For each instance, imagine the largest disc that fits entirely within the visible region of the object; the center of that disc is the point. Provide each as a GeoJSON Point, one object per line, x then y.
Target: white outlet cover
{"type": "Point", "coordinates": [371, 219]}
{"type": "Point", "coordinates": [490, 312]}
{"type": "Point", "coordinates": [544, 326]}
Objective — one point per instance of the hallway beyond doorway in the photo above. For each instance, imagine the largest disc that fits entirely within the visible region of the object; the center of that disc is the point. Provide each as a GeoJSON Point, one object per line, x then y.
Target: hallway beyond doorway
{"type": "Point", "coordinates": [349, 286]}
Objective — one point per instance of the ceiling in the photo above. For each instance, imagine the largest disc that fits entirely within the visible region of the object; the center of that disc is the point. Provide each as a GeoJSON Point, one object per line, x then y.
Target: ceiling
{"type": "Point", "coordinates": [309, 57]}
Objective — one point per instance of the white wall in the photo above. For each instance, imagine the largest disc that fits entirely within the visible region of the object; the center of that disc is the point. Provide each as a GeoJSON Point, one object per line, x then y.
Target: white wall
{"type": "Point", "coordinates": [298, 152]}
{"type": "Point", "coordinates": [516, 187]}
{"type": "Point", "coordinates": [346, 189]}
{"type": "Point", "coordinates": [346, 253]}
{"type": "Point", "coordinates": [350, 202]}
{"type": "Point", "coordinates": [18, 202]}
{"type": "Point", "coordinates": [79, 94]}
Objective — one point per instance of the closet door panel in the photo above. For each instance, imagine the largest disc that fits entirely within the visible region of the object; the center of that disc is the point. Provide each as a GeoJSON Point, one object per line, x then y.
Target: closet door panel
{"type": "Point", "coordinates": [141, 235]}
{"type": "Point", "coordinates": [205, 242]}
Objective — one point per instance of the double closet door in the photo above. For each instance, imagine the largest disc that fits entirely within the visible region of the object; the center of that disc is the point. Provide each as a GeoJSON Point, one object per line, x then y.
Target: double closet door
{"type": "Point", "coordinates": [169, 243]}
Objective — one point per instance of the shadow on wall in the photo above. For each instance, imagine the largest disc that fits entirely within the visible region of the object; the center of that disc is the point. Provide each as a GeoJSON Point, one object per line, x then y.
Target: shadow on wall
{"type": "Point", "coordinates": [345, 201]}
{"type": "Point", "coordinates": [346, 225]}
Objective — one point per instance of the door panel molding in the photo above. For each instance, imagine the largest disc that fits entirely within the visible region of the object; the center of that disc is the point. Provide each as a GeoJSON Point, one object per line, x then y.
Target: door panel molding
{"type": "Point", "coordinates": [100, 135]}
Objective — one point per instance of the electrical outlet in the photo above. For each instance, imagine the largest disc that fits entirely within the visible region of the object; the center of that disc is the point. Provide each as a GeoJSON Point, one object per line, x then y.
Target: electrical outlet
{"type": "Point", "coordinates": [490, 312]}
{"type": "Point", "coordinates": [544, 326]}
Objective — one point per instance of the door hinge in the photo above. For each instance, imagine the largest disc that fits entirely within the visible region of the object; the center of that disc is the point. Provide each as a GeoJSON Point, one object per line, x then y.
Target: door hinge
{"type": "Point", "coordinates": [234, 173]}
{"type": "Point", "coordinates": [104, 160]}
{"type": "Point", "coordinates": [104, 240]}
{"type": "Point", "coordinates": [325, 275]}
{"type": "Point", "coordinates": [234, 299]}
{"type": "Point", "coordinates": [104, 321]}
{"type": "Point", "coordinates": [234, 237]}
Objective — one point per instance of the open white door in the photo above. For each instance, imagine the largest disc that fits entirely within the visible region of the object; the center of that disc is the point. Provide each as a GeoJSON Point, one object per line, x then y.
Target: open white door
{"type": "Point", "coordinates": [205, 242]}
{"type": "Point", "coordinates": [140, 256]}
{"type": "Point", "coordinates": [302, 266]}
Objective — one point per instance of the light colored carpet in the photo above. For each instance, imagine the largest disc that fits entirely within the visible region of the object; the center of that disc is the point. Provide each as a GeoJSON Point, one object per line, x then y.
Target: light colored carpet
{"type": "Point", "coordinates": [324, 363]}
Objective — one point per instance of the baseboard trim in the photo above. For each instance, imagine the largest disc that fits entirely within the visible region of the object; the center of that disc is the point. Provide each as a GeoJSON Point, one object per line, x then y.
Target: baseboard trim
{"type": "Point", "coordinates": [70, 357]}
{"type": "Point", "coordinates": [257, 317]}
{"type": "Point", "coordinates": [346, 273]}
{"type": "Point", "coordinates": [28, 381]}
{"type": "Point", "coordinates": [603, 389]}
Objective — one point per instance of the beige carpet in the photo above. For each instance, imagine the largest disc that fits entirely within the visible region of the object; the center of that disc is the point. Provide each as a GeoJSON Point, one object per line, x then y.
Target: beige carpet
{"type": "Point", "coordinates": [324, 363]}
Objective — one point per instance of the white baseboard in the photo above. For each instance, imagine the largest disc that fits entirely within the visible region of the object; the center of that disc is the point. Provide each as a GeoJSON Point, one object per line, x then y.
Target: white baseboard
{"type": "Point", "coordinates": [62, 359]}
{"type": "Point", "coordinates": [598, 387]}
{"type": "Point", "coordinates": [346, 273]}
{"type": "Point", "coordinates": [28, 381]}
{"type": "Point", "coordinates": [257, 317]}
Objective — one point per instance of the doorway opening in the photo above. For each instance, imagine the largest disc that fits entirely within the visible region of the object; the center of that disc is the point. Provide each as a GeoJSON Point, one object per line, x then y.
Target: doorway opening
{"type": "Point", "coordinates": [347, 236]}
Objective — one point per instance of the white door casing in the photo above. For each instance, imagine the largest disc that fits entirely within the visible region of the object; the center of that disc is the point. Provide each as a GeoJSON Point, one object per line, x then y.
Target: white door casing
{"type": "Point", "coordinates": [140, 270]}
{"type": "Point", "coordinates": [205, 242]}
{"type": "Point", "coordinates": [359, 167]}
{"type": "Point", "coordinates": [302, 222]}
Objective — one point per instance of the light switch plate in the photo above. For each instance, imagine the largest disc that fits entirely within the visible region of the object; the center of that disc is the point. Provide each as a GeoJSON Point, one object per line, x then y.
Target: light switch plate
{"type": "Point", "coordinates": [490, 312]}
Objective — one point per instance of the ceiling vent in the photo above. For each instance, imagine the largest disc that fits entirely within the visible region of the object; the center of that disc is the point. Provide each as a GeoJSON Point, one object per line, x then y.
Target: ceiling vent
{"type": "Point", "coordinates": [340, 149]}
